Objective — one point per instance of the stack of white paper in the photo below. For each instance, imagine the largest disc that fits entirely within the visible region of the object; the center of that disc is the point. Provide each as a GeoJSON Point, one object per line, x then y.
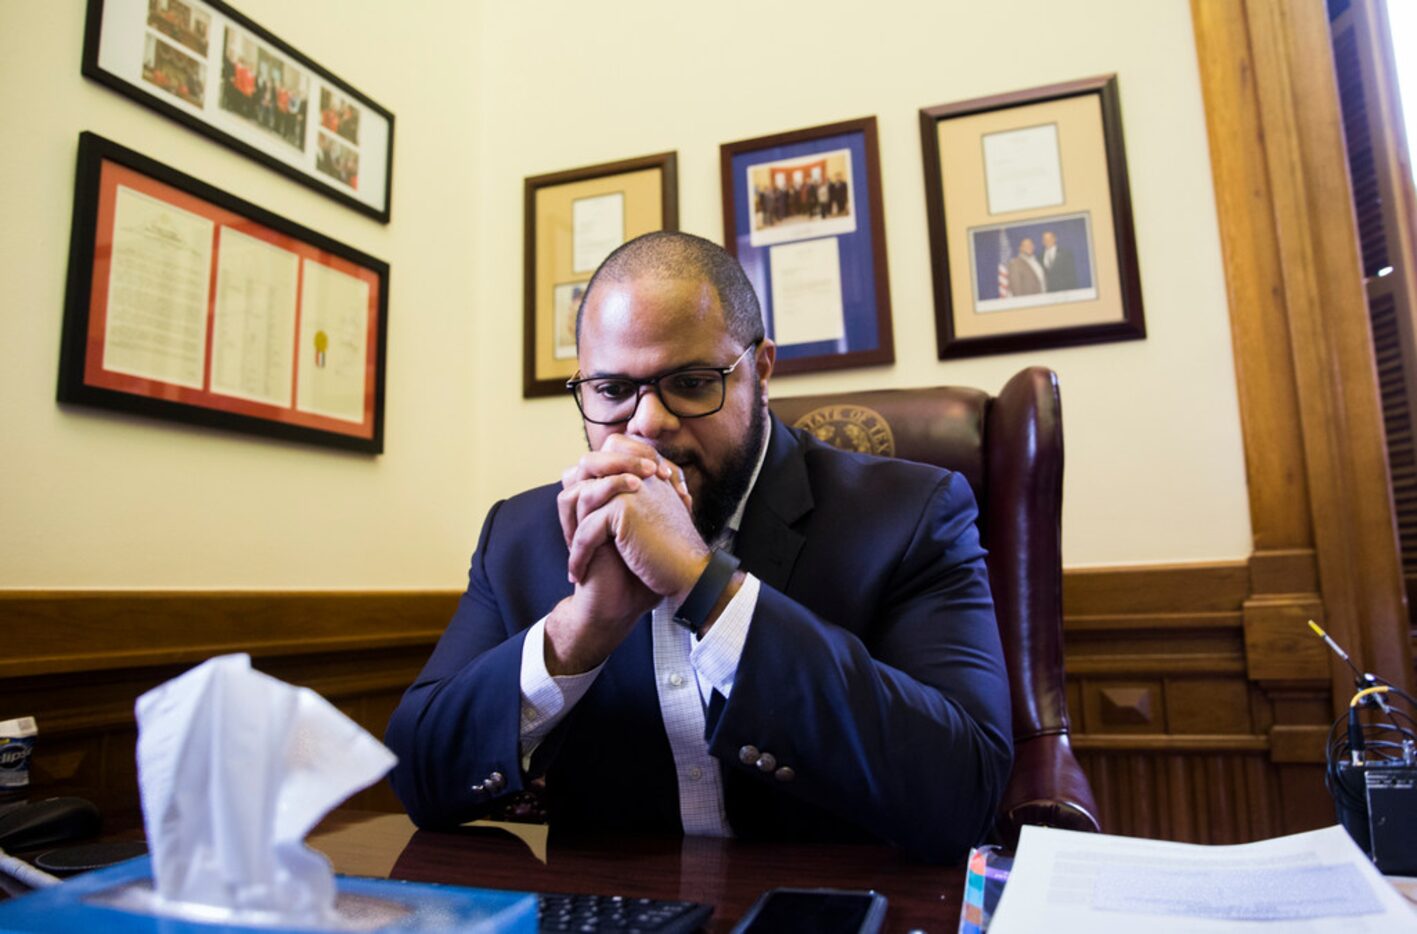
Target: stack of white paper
{"type": "Point", "coordinates": [1063, 881]}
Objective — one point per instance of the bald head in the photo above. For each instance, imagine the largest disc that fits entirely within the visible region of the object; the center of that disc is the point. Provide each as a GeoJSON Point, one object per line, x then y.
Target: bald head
{"type": "Point", "coordinates": [668, 254]}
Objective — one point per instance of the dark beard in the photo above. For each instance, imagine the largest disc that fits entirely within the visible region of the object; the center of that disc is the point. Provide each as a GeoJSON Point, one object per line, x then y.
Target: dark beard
{"type": "Point", "coordinates": [718, 500]}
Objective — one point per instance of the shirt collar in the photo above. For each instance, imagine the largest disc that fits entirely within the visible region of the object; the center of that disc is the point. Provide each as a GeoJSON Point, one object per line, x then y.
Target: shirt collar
{"type": "Point", "coordinates": [736, 519]}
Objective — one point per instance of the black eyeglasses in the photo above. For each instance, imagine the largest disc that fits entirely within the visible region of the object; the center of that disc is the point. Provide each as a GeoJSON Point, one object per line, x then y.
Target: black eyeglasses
{"type": "Point", "coordinates": [692, 392]}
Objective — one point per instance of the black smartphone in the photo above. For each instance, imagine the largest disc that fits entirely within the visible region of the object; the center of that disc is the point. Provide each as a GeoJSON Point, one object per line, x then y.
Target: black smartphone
{"type": "Point", "coordinates": [818, 911]}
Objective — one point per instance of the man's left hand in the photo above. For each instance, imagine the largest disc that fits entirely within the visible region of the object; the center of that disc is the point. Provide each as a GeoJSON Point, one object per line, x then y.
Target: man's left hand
{"type": "Point", "coordinates": [654, 533]}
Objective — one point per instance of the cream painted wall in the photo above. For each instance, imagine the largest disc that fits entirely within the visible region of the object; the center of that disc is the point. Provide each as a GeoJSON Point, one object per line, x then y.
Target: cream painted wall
{"type": "Point", "coordinates": [486, 94]}
{"type": "Point", "coordinates": [91, 499]}
{"type": "Point", "coordinates": [1155, 469]}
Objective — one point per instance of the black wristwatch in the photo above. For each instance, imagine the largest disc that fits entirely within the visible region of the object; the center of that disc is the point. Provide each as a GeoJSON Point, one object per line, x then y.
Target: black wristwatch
{"type": "Point", "coordinates": [695, 610]}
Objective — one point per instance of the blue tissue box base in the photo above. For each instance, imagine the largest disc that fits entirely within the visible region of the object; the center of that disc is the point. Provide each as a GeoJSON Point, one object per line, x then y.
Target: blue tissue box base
{"type": "Point", "coordinates": [76, 905]}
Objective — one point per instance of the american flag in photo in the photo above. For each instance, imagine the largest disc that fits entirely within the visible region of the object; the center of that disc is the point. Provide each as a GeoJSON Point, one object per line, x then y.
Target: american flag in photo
{"type": "Point", "coordinates": [1005, 251]}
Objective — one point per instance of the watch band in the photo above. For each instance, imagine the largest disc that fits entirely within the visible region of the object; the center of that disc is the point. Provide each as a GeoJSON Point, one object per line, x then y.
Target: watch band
{"type": "Point", "coordinates": [695, 610]}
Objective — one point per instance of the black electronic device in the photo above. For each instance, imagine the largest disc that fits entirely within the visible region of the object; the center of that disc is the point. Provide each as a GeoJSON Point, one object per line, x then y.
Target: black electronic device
{"type": "Point", "coordinates": [1372, 768]}
{"type": "Point", "coordinates": [35, 824]}
{"type": "Point", "coordinates": [69, 860]}
{"type": "Point", "coordinates": [814, 911]}
{"type": "Point", "coordinates": [1392, 819]}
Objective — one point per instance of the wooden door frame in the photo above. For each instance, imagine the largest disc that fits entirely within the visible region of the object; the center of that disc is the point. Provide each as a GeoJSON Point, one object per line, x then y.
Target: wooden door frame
{"type": "Point", "coordinates": [1320, 495]}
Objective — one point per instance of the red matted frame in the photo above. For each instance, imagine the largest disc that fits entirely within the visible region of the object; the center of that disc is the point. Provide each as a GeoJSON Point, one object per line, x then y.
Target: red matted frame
{"type": "Point", "coordinates": [103, 168]}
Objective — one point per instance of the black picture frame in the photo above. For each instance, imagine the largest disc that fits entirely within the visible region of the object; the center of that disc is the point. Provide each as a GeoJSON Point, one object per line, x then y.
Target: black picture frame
{"type": "Point", "coordinates": [1113, 268]}
{"type": "Point", "coordinates": [326, 165]}
{"type": "Point", "coordinates": [83, 377]}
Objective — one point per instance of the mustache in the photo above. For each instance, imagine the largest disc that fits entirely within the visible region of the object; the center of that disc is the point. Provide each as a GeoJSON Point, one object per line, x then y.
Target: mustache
{"type": "Point", "coordinates": [677, 455]}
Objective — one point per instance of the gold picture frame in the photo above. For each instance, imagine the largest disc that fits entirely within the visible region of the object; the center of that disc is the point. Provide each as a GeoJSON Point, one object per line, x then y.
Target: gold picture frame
{"type": "Point", "coordinates": [573, 220]}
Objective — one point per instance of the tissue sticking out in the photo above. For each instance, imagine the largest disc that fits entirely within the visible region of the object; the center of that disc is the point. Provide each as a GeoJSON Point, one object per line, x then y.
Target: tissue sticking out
{"type": "Point", "coordinates": [235, 768]}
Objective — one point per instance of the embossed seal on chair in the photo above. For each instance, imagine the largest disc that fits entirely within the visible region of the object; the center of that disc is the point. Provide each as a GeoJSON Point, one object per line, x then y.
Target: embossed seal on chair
{"type": "Point", "coordinates": [851, 428]}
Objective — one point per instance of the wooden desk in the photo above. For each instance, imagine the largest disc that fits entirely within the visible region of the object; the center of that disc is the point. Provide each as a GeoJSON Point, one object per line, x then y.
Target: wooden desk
{"type": "Point", "coordinates": [728, 874]}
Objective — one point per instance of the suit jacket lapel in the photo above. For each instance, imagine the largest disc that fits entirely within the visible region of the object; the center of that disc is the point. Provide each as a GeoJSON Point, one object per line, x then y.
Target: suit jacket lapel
{"type": "Point", "coordinates": [766, 543]}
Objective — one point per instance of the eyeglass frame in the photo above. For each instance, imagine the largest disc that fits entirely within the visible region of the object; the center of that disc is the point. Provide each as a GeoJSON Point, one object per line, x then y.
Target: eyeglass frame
{"type": "Point", "coordinates": [723, 372]}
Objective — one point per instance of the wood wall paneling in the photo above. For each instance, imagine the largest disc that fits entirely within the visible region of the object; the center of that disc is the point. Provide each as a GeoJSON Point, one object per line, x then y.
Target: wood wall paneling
{"type": "Point", "coordinates": [1163, 709]}
{"type": "Point", "coordinates": [86, 656]}
{"type": "Point", "coordinates": [1177, 731]}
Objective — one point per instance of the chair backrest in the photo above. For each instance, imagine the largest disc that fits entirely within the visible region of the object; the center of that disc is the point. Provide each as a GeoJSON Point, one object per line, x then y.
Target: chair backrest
{"type": "Point", "coordinates": [1010, 449]}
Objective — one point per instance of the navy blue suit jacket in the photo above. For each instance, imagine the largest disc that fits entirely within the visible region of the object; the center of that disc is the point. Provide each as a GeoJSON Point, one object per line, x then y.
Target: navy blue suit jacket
{"type": "Point", "coordinates": [872, 669]}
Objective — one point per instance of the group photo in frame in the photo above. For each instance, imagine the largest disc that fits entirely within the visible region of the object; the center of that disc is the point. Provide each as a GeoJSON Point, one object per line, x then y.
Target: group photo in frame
{"type": "Point", "coordinates": [189, 304]}
{"type": "Point", "coordinates": [1029, 208]}
{"type": "Point", "coordinates": [802, 214]}
{"type": "Point", "coordinates": [210, 68]}
{"type": "Point", "coordinates": [574, 219]}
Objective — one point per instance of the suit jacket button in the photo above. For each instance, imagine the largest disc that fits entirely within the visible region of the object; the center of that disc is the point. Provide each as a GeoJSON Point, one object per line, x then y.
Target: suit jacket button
{"type": "Point", "coordinates": [479, 788]}
{"type": "Point", "coordinates": [748, 755]}
{"type": "Point", "coordinates": [496, 781]}
{"type": "Point", "coordinates": [767, 762]}
{"type": "Point", "coordinates": [784, 774]}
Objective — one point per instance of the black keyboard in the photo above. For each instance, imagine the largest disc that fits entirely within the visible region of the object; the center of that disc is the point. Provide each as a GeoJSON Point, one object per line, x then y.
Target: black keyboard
{"type": "Point", "coordinates": [616, 913]}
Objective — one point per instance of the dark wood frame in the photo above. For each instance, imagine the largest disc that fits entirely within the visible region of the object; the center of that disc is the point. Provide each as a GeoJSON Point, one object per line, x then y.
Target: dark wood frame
{"type": "Point", "coordinates": [884, 351]}
{"type": "Point", "coordinates": [1133, 325]}
{"type": "Point", "coordinates": [94, 150]}
{"type": "Point", "coordinates": [668, 165]}
{"type": "Point", "coordinates": [90, 68]}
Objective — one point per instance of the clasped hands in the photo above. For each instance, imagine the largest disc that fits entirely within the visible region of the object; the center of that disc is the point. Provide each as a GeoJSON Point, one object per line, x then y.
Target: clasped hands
{"type": "Point", "coordinates": [627, 518]}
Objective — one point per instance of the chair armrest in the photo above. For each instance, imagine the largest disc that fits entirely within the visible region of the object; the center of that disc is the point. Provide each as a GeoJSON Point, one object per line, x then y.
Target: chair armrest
{"type": "Point", "coordinates": [1047, 788]}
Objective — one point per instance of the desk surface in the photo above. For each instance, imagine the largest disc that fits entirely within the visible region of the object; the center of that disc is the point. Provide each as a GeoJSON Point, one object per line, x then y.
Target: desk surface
{"type": "Point", "coordinates": [728, 874]}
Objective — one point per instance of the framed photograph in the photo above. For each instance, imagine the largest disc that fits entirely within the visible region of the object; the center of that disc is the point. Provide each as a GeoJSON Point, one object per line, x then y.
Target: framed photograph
{"type": "Point", "coordinates": [189, 304]}
{"type": "Point", "coordinates": [574, 219]}
{"type": "Point", "coordinates": [1031, 240]}
{"type": "Point", "coordinates": [802, 212]}
{"type": "Point", "coordinates": [206, 66]}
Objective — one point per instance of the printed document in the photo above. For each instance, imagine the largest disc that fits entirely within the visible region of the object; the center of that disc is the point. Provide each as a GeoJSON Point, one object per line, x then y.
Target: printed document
{"type": "Point", "coordinates": [1063, 881]}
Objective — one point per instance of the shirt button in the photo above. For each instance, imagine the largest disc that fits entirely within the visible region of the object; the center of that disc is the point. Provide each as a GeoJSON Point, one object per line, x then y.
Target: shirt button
{"type": "Point", "coordinates": [696, 773]}
{"type": "Point", "coordinates": [676, 679]}
{"type": "Point", "coordinates": [748, 755]}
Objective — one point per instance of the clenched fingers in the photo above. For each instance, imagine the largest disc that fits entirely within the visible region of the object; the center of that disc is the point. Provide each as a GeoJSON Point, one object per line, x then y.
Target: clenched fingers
{"type": "Point", "coordinates": [596, 529]}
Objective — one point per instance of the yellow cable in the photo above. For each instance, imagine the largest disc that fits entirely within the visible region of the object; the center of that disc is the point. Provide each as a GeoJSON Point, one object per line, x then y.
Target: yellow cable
{"type": "Point", "coordinates": [1379, 689]}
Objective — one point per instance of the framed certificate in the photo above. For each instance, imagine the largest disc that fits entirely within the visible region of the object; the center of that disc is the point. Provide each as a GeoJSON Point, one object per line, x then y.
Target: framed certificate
{"type": "Point", "coordinates": [189, 304]}
{"type": "Point", "coordinates": [574, 219]}
{"type": "Point", "coordinates": [1031, 239]}
{"type": "Point", "coordinates": [210, 68]}
{"type": "Point", "coordinates": [802, 212]}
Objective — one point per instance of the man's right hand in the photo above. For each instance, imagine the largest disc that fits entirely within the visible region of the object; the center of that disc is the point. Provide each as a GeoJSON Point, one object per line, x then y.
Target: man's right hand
{"type": "Point", "coordinates": [587, 626]}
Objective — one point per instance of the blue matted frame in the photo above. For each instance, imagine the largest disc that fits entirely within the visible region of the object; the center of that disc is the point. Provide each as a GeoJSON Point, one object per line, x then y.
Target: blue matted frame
{"type": "Point", "coordinates": [865, 299]}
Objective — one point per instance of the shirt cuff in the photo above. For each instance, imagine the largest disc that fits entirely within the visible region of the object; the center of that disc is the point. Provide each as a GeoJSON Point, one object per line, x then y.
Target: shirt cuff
{"type": "Point", "coordinates": [715, 657]}
{"type": "Point", "coordinates": [546, 699]}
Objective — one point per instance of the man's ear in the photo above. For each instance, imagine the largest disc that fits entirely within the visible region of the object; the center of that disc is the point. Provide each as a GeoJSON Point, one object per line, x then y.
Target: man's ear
{"type": "Point", "coordinates": [763, 361]}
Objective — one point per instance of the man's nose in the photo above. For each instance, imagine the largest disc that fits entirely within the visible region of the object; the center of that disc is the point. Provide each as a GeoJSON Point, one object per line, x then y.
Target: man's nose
{"type": "Point", "coordinates": [651, 418]}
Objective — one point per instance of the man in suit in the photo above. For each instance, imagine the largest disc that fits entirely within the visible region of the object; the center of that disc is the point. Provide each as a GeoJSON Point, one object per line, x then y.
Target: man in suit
{"type": "Point", "coordinates": [1058, 266]}
{"type": "Point", "coordinates": [715, 624]}
{"type": "Point", "coordinates": [1026, 276]}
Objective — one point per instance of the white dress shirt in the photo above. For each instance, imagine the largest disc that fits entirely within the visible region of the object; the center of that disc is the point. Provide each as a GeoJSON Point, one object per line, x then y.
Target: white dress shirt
{"type": "Point", "coordinates": [713, 663]}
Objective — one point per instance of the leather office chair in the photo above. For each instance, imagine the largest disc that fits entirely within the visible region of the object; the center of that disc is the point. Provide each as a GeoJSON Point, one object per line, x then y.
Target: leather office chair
{"type": "Point", "coordinates": [1010, 449]}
